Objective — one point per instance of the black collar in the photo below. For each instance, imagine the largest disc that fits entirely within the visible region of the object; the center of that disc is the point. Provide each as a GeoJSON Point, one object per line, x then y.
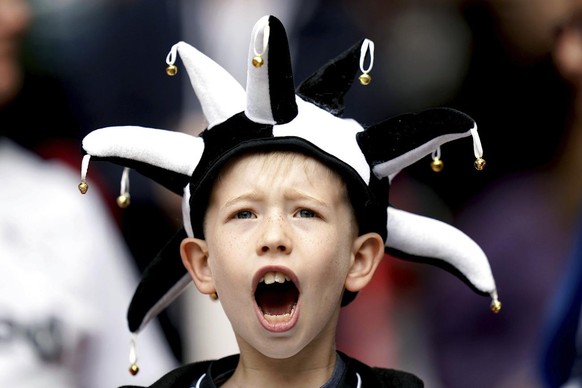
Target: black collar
{"type": "Point", "coordinates": [355, 375]}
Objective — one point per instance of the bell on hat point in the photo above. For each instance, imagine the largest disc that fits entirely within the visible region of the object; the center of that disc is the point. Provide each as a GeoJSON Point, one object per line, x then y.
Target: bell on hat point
{"type": "Point", "coordinates": [83, 187]}
{"type": "Point", "coordinates": [437, 165]}
{"type": "Point", "coordinates": [258, 61]}
{"type": "Point", "coordinates": [480, 164]}
{"type": "Point", "coordinates": [171, 70]}
{"type": "Point", "coordinates": [365, 79]}
{"type": "Point", "coordinates": [496, 306]}
{"type": "Point", "coordinates": [133, 369]}
{"type": "Point", "coordinates": [123, 201]}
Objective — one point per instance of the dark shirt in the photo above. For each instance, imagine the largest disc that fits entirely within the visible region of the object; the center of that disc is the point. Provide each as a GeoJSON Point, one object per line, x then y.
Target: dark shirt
{"type": "Point", "coordinates": [348, 373]}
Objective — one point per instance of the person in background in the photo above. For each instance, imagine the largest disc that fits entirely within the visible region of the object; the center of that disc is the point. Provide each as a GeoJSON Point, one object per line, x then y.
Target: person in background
{"type": "Point", "coordinates": [531, 233]}
{"type": "Point", "coordinates": [561, 350]}
{"type": "Point", "coordinates": [65, 273]}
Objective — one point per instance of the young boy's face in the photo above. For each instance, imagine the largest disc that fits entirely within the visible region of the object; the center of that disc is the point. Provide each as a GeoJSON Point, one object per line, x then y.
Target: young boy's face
{"type": "Point", "coordinates": [281, 246]}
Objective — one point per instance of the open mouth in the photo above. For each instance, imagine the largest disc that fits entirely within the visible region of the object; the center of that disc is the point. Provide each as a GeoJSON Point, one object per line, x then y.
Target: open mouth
{"type": "Point", "coordinates": [277, 296]}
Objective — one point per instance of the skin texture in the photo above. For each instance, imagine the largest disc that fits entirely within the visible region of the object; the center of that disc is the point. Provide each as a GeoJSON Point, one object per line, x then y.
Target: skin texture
{"type": "Point", "coordinates": [291, 218]}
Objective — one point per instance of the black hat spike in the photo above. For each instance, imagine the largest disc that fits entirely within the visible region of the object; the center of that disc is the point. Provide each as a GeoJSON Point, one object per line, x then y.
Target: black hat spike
{"type": "Point", "coordinates": [270, 88]}
{"type": "Point", "coordinates": [400, 141]}
{"type": "Point", "coordinates": [327, 87]}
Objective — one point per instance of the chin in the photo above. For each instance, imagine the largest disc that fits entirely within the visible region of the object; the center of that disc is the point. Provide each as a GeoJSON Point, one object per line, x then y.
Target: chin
{"type": "Point", "coordinates": [279, 348]}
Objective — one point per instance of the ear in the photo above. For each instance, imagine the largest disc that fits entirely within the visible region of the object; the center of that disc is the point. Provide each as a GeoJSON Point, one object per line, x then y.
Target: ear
{"type": "Point", "coordinates": [194, 253]}
{"type": "Point", "coordinates": [368, 251]}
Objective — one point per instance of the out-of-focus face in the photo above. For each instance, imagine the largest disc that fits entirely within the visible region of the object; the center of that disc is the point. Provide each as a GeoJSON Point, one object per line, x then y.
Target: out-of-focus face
{"type": "Point", "coordinates": [528, 26]}
{"type": "Point", "coordinates": [15, 18]}
{"type": "Point", "coordinates": [280, 246]}
{"type": "Point", "coordinates": [14, 21]}
{"type": "Point", "coordinates": [567, 50]}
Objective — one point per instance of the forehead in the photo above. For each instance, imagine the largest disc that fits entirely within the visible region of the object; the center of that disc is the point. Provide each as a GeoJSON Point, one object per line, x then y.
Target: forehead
{"type": "Point", "coordinates": [277, 168]}
{"type": "Point", "coordinates": [273, 162]}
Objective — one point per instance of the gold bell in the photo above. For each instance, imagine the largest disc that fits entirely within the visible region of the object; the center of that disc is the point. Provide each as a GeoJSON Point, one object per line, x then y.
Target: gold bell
{"type": "Point", "coordinates": [171, 70]}
{"type": "Point", "coordinates": [258, 61]}
{"type": "Point", "coordinates": [365, 79]}
{"type": "Point", "coordinates": [133, 369]}
{"type": "Point", "coordinates": [437, 165]}
{"type": "Point", "coordinates": [480, 164]}
{"type": "Point", "coordinates": [496, 306]}
{"type": "Point", "coordinates": [123, 201]}
{"type": "Point", "coordinates": [214, 296]}
{"type": "Point", "coordinates": [83, 187]}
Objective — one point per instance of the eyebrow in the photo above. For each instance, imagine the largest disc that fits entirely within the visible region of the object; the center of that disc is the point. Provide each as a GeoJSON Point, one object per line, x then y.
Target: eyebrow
{"type": "Point", "coordinates": [298, 194]}
{"type": "Point", "coordinates": [250, 196]}
{"type": "Point", "coordinates": [289, 194]}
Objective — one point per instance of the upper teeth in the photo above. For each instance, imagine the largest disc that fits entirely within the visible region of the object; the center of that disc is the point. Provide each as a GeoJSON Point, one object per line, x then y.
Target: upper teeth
{"type": "Point", "coordinates": [272, 277]}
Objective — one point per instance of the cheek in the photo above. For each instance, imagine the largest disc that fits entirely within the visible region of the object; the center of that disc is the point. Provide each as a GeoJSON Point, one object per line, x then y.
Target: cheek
{"type": "Point", "coordinates": [230, 262]}
{"type": "Point", "coordinates": [230, 282]}
{"type": "Point", "coordinates": [332, 261]}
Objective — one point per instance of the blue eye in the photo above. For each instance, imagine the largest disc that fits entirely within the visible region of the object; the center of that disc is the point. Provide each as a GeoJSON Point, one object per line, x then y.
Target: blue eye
{"type": "Point", "coordinates": [243, 215]}
{"type": "Point", "coordinates": [306, 213]}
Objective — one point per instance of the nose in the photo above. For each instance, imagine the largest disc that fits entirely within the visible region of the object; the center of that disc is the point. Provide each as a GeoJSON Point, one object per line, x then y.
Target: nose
{"type": "Point", "coordinates": [275, 237]}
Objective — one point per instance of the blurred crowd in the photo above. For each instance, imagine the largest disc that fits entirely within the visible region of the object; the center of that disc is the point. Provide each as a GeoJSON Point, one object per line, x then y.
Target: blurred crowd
{"type": "Point", "coordinates": [66, 274]}
{"type": "Point", "coordinates": [515, 66]}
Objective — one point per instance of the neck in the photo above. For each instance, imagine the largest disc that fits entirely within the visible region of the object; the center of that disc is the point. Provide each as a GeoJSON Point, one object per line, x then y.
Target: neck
{"type": "Point", "coordinates": [309, 368]}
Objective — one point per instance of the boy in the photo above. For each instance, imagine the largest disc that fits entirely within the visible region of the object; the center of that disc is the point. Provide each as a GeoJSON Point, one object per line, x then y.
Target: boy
{"type": "Point", "coordinates": [278, 249]}
{"type": "Point", "coordinates": [286, 212]}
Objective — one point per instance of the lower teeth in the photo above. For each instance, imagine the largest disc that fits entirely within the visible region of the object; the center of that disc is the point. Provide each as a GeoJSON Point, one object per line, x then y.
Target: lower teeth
{"type": "Point", "coordinates": [277, 318]}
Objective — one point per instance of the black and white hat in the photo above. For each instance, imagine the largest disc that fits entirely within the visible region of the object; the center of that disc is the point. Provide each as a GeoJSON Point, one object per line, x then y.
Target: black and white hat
{"type": "Point", "coordinates": [273, 114]}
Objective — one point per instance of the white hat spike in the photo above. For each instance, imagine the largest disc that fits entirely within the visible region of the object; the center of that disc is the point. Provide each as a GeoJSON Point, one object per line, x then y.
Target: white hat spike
{"type": "Point", "coordinates": [221, 96]}
{"type": "Point", "coordinates": [464, 255]}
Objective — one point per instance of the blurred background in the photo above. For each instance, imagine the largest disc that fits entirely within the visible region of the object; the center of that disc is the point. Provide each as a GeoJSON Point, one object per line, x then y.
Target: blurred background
{"type": "Point", "coordinates": [515, 66]}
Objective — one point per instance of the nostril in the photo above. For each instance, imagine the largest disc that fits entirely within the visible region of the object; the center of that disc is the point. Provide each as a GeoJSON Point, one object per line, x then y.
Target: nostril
{"type": "Point", "coordinates": [280, 248]}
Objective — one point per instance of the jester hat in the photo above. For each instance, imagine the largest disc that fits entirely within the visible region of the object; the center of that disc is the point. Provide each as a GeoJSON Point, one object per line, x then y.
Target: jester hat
{"type": "Point", "coordinates": [273, 115]}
